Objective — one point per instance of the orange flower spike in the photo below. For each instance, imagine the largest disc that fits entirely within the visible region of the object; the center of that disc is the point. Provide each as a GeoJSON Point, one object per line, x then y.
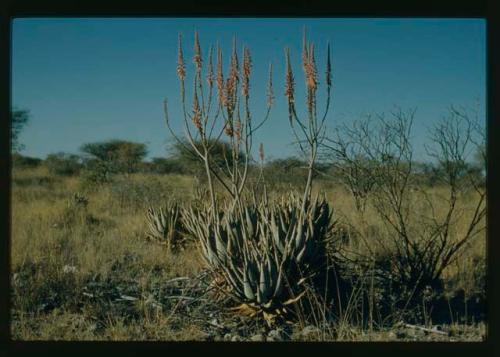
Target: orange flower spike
{"type": "Point", "coordinates": [247, 63]}
{"type": "Point", "coordinates": [197, 52]}
{"type": "Point", "coordinates": [289, 81]}
{"type": "Point", "coordinates": [270, 94]}
{"type": "Point", "coordinates": [220, 76]}
{"type": "Point", "coordinates": [181, 68]}
{"type": "Point", "coordinates": [210, 74]}
{"type": "Point", "coordinates": [312, 79]}
{"type": "Point", "coordinates": [196, 113]}
{"type": "Point", "coordinates": [328, 68]}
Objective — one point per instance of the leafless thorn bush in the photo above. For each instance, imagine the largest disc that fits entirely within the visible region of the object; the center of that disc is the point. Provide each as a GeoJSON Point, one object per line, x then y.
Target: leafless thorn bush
{"type": "Point", "coordinates": [375, 158]}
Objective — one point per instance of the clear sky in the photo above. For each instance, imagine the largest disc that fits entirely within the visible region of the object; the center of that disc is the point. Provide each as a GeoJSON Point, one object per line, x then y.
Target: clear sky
{"type": "Point", "coordinates": [87, 80]}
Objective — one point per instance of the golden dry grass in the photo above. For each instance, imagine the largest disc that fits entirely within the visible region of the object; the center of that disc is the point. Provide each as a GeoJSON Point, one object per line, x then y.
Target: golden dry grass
{"type": "Point", "coordinates": [107, 240]}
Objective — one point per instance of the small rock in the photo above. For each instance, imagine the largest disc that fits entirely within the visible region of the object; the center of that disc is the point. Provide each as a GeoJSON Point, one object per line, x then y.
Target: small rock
{"type": "Point", "coordinates": [310, 331]}
{"type": "Point", "coordinates": [416, 334]}
{"type": "Point", "coordinates": [206, 336]}
{"type": "Point", "coordinates": [258, 338]}
{"type": "Point", "coordinates": [236, 338]}
{"type": "Point", "coordinates": [275, 335]}
{"type": "Point", "coordinates": [216, 323]}
{"type": "Point", "coordinates": [69, 269]}
{"type": "Point", "coordinates": [400, 334]}
{"type": "Point", "coordinates": [227, 337]}
{"type": "Point", "coordinates": [391, 335]}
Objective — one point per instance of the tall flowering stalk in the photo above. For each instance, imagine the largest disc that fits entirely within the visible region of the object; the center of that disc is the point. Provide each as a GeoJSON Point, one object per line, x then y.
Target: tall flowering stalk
{"type": "Point", "coordinates": [181, 67]}
{"type": "Point", "coordinates": [214, 117]}
{"type": "Point", "coordinates": [263, 251]}
{"type": "Point", "coordinates": [309, 132]}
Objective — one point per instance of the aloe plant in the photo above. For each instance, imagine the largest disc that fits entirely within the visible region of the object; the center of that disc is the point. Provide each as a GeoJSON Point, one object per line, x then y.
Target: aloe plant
{"type": "Point", "coordinates": [263, 252]}
{"type": "Point", "coordinates": [165, 226]}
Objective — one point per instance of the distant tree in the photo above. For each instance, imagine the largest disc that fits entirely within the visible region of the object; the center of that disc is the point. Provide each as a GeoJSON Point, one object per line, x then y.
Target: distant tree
{"type": "Point", "coordinates": [63, 164]}
{"type": "Point", "coordinates": [162, 165]}
{"type": "Point", "coordinates": [191, 163]}
{"type": "Point", "coordinates": [289, 171]}
{"type": "Point", "coordinates": [19, 118]}
{"type": "Point", "coordinates": [22, 161]}
{"type": "Point", "coordinates": [115, 156]}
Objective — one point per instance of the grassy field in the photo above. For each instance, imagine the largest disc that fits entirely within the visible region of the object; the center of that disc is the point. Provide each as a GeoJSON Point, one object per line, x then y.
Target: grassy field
{"type": "Point", "coordinates": [89, 273]}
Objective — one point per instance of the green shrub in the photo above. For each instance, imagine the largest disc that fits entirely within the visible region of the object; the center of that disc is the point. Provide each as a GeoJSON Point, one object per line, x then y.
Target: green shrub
{"type": "Point", "coordinates": [94, 174]}
{"type": "Point", "coordinates": [160, 165]}
{"type": "Point", "coordinates": [21, 161]}
{"type": "Point", "coordinates": [63, 164]}
{"type": "Point", "coordinates": [140, 192]}
{"type": "Point", "coordinates": [285, 173]}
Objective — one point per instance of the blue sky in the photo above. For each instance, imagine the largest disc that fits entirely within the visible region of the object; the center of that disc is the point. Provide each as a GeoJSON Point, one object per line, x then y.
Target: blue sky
{"type": "Point", "coordinates": [87, 80]}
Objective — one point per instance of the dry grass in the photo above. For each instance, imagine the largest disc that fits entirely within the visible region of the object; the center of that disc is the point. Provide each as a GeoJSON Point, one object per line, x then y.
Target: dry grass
{"type": "Point", "coordinates": [59, 249]}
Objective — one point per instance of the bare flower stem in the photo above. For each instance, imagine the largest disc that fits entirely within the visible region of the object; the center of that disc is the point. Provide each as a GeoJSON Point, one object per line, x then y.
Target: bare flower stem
{"type": "Point", "coordinates": [209, 130]}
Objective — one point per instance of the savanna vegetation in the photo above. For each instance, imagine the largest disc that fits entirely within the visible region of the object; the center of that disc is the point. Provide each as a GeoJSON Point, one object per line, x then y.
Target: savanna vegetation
{"type": "Point", "coordinates": [352, 239]}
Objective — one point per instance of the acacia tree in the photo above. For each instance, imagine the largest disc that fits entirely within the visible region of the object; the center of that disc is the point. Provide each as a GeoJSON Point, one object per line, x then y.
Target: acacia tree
{"type": "Point", "coordinates": [116, 156]}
